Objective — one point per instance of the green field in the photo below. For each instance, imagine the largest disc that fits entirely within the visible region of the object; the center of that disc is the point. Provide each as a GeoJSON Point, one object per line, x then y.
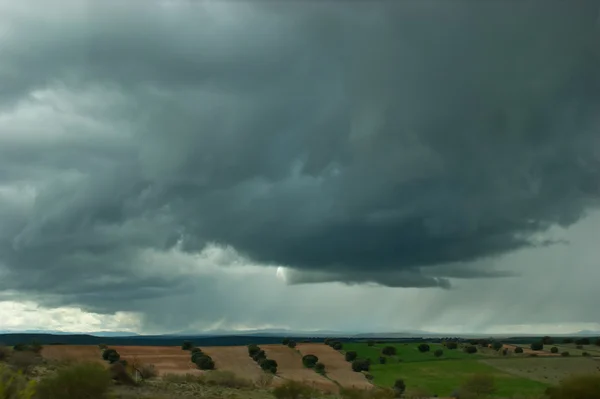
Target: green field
{"type": "Point", "coordinates": [406, 352]}
{"type": "Point", "coordinates": [442, 378]}
{"type": "Point", "coordinates": [443, 375]}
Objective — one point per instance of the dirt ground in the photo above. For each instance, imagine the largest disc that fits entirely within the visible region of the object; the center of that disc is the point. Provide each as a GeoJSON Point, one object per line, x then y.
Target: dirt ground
{"type": "Point", "coordinates": [528, 351]}
{"type": "Point", "coordinates": [166, 359]}
{"type": "Point", "coordinates": [336, 367]}
{"type": "Point", "coordinates": [290, 367]}
{"type": "Point", "coordinates": [235, 359]}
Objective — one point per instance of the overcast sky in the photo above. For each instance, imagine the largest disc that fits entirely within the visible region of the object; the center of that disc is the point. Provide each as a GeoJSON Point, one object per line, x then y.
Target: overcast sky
{"type": "Point", "coordinates": [378, 166]}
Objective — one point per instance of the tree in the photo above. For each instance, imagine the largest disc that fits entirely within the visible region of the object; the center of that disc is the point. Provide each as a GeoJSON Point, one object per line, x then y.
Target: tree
{"type": "Point", "coordinates": [260, 355]}
{"type": "Point", "coordinates": [196, 355]}
{"type": "Point", "coordinates": [196, 350]}
{"type": "Point", "coordinates": [423, 348]}
{"type": "Point", "coordinates": [470, 349]}
{"type": "Point", "coordinates": [496, 345]}
{"type": "Point", "coordinates": [291, 344]}
{"type": "Point", "coordinates": [389, 351]}
{"type": "Point", "coordinates": [554, 349]}
{"type": "Point", "coordinates": [359, 365]}
{"type": "Point", "coordinates": [205, 362]}
{"type": "Point", "coordinates": [269, 365]}
{"type": "Point", "coordinates": [309, 361]}
{"type": "Point", "coordinates": [320, 368]}
{"type": "Point", "coordinates": [438, 353]}
{"type": "Point", "coordinates": [547, 340]}
{"type": "Point", "coordinates": [337, 346]}
{"type": "Point", "coordinates": [537, 346]}
{"type": "Point", "coordinates": [187, 345]}
{"type": "Point", "coordinates": [285, 341]}
{"type": "Point", "coordinates": [253, 350]}
{"type": "Point", "coordinates": [36, 347]}
{"type": "Point", "coordinates": [399, 388]}
{"type": "Point", "coordinates": [518, 349]}
{"type": "Point", "coordinates": [350, 356]}
{"type": "Point", "coordinates": [451, 345]}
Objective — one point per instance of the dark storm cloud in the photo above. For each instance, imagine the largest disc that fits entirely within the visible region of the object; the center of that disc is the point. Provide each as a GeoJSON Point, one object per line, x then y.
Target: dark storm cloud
{"type": "Point", "coordinates": [375, 142]}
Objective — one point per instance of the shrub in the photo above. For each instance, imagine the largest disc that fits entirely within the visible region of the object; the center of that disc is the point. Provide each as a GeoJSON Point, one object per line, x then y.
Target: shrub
{"type": "Point", "coordinates": [320, 368]}
{"type": "Point", "coordinates": [471, 349]}
{"type": "Point", "coordinates": [253, 350]}
{"type": "Point", "coordinates": [84, 380]}
{"type": "Point", "coordinates": [144, 371]}
{"type": "Point", "coordinates": [196, 355]}
{"type": "Point", "coordinates": [438, 353]}
{"type": "Point", "coordinates": [518, 349]}
{"type": "Point", "coordinates": [269, 365]}
{"type": "Point", "coordinates": [389, 351]}
{"type": "Point", "coordinates": [205, 362]}
{"type": "Point", "coordinates": [327, 341]}
{"type": "Point", "coordinates": [36, 347]}
{"type": "Point", "coordinates": [260, 355]}
{"type": "Point", "coordinates": [576, 387]}
{"type": "Point", "coordinates": [20, 347]}
{"type": "Point", "coordinates": [382, 360]}
{"type": "Point", "coordinates": [118, 372]}
{"type": "Point", "coordinates": [195, 350]}
{"type": "Point", "coordinates": [565, 354]}
{"type": "Point", "coordinates": [13, 385]}
{"type": "Point", "coordinates": [294, 390]}
{"type": "Point", "coordinates": [554, 349]}
{"type": "Point", "coordinates": [480, 385]}
{"type": "Point", "coordinates": [451, 345]}
{"type": "Point", "coordinates": [24, 361]}
{"type": "Point", "coordinates": [187, 345]}
{"type": "Point", "coordinates": [337, 346]}
{"type": "Point", "coordinates": [359, 365]}
{"type": "Point", "coordinates": [536, 346]}
{"type": "Point", "coordinates": [291, 344]}
{"type": "Point", "coordinates": [350, 356]}
{"type": "Point", "coordinates": [423, 348]}
{"type": "Point", "coordinates": [285, 341]}
{"type": "Point", "coordinates": [309, 361]}
{"type": "Point", "coordinates": [497, 345]}
{"type": "Point", "coordinates": [399, 387]}
{"type": "Point", "coordinates": [264, 380]}
{"type": "Point", "coordinates": [369, 376]}
{"type": "Point", "coordinates": [110, 355]}
{"type": "Point", "coordinates": [102, 346]}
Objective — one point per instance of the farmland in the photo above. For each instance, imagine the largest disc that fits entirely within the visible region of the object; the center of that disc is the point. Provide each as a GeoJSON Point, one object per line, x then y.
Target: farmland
{"type": "Point", "coordinates": [421, 369]}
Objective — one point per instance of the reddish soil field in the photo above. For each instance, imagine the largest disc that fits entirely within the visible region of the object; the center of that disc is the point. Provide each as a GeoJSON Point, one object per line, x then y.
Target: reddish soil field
{"type": "Point", "coordinates": [336, 367]}
{"type": "Point", "coordinates": [235, 359]}
{"type": "Point", "coordinates": [290, 367]}
{"type": "Point", "coordinates": [166, 359]}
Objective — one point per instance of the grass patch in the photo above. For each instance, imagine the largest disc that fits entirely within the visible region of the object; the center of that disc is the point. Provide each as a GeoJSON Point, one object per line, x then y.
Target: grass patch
{"type": "Point", "coordinates": [442, 378]}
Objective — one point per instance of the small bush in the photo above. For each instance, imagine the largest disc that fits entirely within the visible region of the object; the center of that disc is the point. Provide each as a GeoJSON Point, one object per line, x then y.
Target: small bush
{"type": "Point", "coordinates": [24, 361]}
{"type": "Point", "coordinates": [118, 372]}
{"type": "Point", "coordinates": [470, 349]}
{"type": "Point", "coordinates": [309, 361]}
{"type": "Point", "coordinates": [369, 376]}
{"type": "Point", "coordinates": [260, 355]}
{"type": "Point", "coordinates": [554, 349]}
{"type": "Point", "coordinates": [359, 365]}
{"type": "Point", "coordinates": [451, 345]}
{"type": "Point", "coordinates": [399, 387]}
{"type": "Point", "coordinates": [350, 356]}
{"type": "Point", "coordinates": [537, 346]}
{"type": "Point", "coordinates": [264, 380]}
{"type": "Point", "coordinates": [102, 346]}
{"type": "Point", "coordinates": [337, 346]}
{"type": "Point", "coordinates": [576, 387]}
{"type": "Point", "coordinates": [269, 365]}
{"type": "Point", "coordinates": [187, 345]}
{"type": "Point", "coordinates": [195, 350]}
{"type": "Point", "coordinates": [423, 348]}
{"type": "Point", "coordinates": [497, 345]}
{"type": "Point", "coordinates": [144, 371]}
{"type": "Point", "coordinates": [518, 349]}
{"type": "Point", "coordinates": [13, 385]}
{"type": "Point", "coordinates": [565, 354]}
{"type": "Point", "coordinates": [294, 390]}
{"type": "Point", "coordinates": [253, 350]}
{"type": "Point", "coordinates": [84, 380]}
{"type": "Point", "coordinates": [320, 368]}
{"type": "Point", "coordinates": [205, 362]}
{"type": "Point", "coordinates": [438, 353]}
{"type": "Point", "coordinates": [389, 351]}
{"type": "Point", "coordinates": [291, 344]}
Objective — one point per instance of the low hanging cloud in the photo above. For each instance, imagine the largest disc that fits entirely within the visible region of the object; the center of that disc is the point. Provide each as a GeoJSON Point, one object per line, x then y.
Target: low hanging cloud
{"type": "Point", "coordinates": [387, 143]}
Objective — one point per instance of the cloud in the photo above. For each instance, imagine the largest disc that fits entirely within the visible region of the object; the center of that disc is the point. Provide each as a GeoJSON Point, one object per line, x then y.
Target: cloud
{"type": "Point", "coordinates": [403, 145]}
